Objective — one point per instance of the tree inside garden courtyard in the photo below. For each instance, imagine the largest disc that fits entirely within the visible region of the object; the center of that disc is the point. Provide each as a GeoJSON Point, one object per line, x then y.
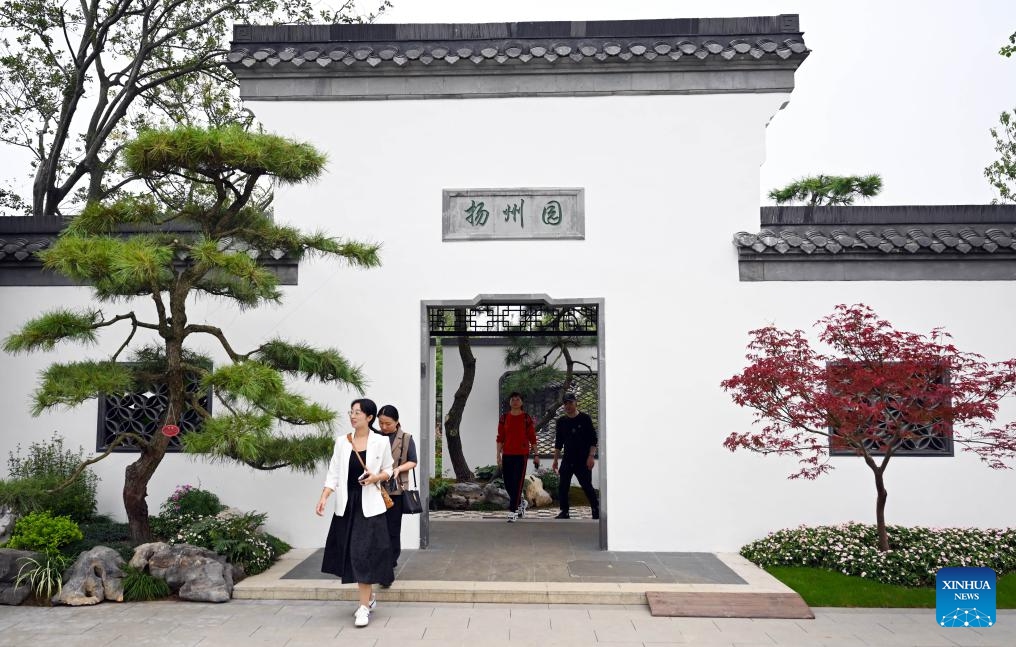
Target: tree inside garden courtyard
{"type": "Point", "coordinates": [878, 391]}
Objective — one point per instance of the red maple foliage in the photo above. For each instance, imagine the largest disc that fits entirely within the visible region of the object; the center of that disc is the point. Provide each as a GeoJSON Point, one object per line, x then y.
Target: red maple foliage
{"type": "Point", "coordinates": [879, 390]}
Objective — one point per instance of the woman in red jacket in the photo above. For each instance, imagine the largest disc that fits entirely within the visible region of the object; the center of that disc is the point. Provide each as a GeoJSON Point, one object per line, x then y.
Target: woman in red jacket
{"type": "Point", "coordinates": [516, 439]}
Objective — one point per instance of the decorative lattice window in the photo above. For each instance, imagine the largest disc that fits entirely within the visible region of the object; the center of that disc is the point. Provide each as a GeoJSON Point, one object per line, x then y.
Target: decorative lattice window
{"type": "Point", "coordinates": [914, 439]}
{"type": "Point", "coordinates": [512, 320]}
{"type": "Point", "coordinates": [143, 412]}
{"type": "Point", "coordinates": [585, 386]}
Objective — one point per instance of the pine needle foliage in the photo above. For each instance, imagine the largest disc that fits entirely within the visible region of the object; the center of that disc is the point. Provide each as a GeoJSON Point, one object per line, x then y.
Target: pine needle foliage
{"type": "Point", "coordinates": [43, 333]}
{"type": "Point", "coordinates": [73, 383]}
{"type": "Point", "coordinates": [301, 360]}
{"type": "Point", "coordinates": [831, 190]}
{"type": "Point", "coordinates": [213, 239]}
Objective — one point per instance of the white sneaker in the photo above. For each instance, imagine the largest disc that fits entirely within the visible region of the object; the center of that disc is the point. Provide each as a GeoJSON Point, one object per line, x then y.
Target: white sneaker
{"type": "Point", "coordinates": [523, 506]}
{"type": "Point", "coordinates": [362, 616]}
{"type": "Point", "coordinates": [370, 605]}
{"type": "Point", "coordinates": [512, 516]}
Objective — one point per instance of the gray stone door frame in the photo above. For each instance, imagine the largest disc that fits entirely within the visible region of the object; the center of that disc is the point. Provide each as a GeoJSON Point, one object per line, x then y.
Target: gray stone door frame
{"type": "Point", "coordinates": [427, 404]}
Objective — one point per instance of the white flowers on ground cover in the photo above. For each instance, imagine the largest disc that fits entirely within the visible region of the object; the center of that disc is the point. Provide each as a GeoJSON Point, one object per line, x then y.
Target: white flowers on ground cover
{"type": "Point", "coordinates": [915, 555]}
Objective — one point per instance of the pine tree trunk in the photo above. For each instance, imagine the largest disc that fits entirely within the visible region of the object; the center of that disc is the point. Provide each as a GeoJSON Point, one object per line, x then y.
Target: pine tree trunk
{"type": "Point", "coordinates": [454, 418]}
{"type": "Point", "coordinates": [135, 489]}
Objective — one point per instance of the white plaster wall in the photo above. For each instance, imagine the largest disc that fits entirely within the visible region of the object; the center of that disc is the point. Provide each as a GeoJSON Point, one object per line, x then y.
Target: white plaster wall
{"type": "Point", "coordinates": [668, 181]}
{"type": "Point", "coordinates": [479, 418]}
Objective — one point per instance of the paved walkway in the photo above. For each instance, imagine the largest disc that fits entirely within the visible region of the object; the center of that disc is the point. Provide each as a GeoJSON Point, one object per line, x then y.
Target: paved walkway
{"type": "Point", "coordinates": [535, 561]}
{"type": "Point", "coordinates": [247, 623]}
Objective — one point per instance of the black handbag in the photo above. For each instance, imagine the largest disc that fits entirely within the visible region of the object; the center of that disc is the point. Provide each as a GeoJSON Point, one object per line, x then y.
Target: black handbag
{"type": "Point", "coordinates": [411, 499]}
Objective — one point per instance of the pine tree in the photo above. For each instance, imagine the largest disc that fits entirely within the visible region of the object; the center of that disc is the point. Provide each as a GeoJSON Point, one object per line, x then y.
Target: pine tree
{"type": "Point", "coordinates": [206, 238]}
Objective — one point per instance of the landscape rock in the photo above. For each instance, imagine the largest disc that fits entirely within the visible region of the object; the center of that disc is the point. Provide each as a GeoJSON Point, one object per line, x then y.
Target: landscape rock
{"type": "Point", "coordinates": [7, 519]}
{"type": "Point", "coordinates": [11, 562]}
{"type": "Point", "coordinates": [534, 492]}
{"type": "Point", "coordinates": [462, 496]}
{"type": "Point", "coordinates": [495, 495]}
{"type": "Point", "coordinates": [192, 572]}
{"type": "Point", "coordinates": [97, 575]}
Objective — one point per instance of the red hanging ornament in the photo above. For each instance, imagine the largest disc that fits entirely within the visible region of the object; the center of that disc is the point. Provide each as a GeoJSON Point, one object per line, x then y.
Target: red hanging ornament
{"type": "Point", "coordinates": [169, 429]}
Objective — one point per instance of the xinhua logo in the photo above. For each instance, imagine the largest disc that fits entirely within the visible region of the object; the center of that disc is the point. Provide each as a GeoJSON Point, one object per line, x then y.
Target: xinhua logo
{"type": "Point", "coordinates": [965, 597]}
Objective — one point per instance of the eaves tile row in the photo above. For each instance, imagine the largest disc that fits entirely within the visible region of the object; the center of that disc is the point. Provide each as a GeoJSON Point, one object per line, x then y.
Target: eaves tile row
{"type": "Point", "coordinates": [22, 250]}
{"type": "Point", "coordinates": [936, 239]}
{"type": "Point", "coordinates": [508, 52]}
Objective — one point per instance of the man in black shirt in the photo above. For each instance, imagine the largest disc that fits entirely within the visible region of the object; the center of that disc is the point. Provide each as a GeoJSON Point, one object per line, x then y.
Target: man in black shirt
{"type": "Point", "coordinates": [576, 435]}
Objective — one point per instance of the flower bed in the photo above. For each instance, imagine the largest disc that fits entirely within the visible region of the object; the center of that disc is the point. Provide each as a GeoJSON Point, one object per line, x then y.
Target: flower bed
{"type": "Point", "coordinates": [914, 555]}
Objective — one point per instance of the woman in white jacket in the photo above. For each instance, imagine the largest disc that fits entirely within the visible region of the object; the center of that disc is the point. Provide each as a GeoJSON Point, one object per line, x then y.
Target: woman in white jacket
{"type": "Point", "coordinates": [357, 548]}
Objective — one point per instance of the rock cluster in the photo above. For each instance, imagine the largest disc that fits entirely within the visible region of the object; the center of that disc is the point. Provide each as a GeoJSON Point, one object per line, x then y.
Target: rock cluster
{"type": "Point", "coordinates": [97, 575]}
{"type": "Point", "coordinates": [11, 562]}
{"type": "Point", "coordinates": [193, 573]}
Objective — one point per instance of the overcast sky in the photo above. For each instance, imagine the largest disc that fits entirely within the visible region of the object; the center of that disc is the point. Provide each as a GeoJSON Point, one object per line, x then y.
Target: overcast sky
{"type": "Point", "coordinates": [907, 88]}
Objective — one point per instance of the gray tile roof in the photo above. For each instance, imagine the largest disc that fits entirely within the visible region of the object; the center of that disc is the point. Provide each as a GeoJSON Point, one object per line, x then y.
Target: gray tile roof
{"type": "Point", "coordinates": [942, 240]}
{"type": "Point", "coordinates": [21, 249]}
{"type": "Point", "coordinates": [419, 46]}
{"type": "Point", "coordinates": [22, 237]}
{"type": "Point", "coordinates": [936, 230]}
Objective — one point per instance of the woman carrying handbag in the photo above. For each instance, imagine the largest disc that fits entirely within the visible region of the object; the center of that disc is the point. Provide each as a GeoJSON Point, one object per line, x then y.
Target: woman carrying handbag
{"type": "Point", "coordinates": [358, 549]}
{"type": "Point", "coordinates": [403, 449]}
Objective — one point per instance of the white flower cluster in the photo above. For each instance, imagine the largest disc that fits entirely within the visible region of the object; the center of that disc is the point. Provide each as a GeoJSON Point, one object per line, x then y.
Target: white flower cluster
{"type": "Point", "coordinates": [915, 554]}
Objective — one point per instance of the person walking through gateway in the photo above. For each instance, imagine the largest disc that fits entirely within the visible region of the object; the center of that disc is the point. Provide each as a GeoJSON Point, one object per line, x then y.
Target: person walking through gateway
{"type": "Point", "coordinates": [577, 436]}
{"type": "Point", "coordinates": [516, 439]}
{"type": "Point", "coordinates": [404, 457]}
{"type": "Point", "coordinates": [357, 548]}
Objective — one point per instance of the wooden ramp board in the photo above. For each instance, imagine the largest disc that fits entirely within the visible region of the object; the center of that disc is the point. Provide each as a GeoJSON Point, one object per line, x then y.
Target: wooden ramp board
{"type": "Point", "coordinates": [728, 605]}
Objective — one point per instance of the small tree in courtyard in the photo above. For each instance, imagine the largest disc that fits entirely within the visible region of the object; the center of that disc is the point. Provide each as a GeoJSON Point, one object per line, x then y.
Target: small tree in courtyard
{"type": "Point", "coordinates": [879, 390]}
{"type": "Point", "coordinates": [833, 190]}
{"type": "Point", "coordinates": [155, 257]}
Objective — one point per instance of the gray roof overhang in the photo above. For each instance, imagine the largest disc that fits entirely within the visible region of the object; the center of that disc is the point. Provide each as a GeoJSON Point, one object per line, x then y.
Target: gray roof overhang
{"type": "Point", "coordinates": [584, 58]}
{"type": "Point", "coordinates": [22, 237]}
{"type": "Point", "coordinates": [890, 243]}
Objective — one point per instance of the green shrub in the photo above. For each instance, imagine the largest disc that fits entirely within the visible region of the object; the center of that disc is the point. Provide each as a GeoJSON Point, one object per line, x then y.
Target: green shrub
{"type": "Point", "coordinates": [44, 533]}
{"type": "Point", "coordinates": [485, 506]}
{"type": "Point", "coordinates": [164, 529]}
{"type": "Point", "coordinates": [44, 575]}
{"type": "Point", "coordinates": [184, 507]}
{"type": "Point", "coordinates": [47, 465]}
{"type": "Point", "coordinates": [102, 531]}
{"type": "Point", "coordinates": [139, 586]}
{"type": "Point", "coordinates": [238, 538]}
{"type": "Point", "coordinates": [914, 557]}
{"type": "Point", "coordinates": [279, 547]}
{"type": "Point", "coordinates": [550, 481]}
{"type": "Point", "coordinates": [439, 487]}
{"type": "Point", "coordinates": [486, 472]}
{"type": "Point", "coordinates": [188, 501]}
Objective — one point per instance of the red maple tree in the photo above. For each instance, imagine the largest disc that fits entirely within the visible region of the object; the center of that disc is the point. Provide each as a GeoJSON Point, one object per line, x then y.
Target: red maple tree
{"type": "Point", "coordinates": [878, 392]}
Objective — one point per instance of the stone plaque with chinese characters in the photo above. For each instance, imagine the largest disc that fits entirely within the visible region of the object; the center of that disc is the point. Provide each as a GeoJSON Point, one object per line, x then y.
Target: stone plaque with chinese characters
{"type": "Point", "coordinates": [512, 214]}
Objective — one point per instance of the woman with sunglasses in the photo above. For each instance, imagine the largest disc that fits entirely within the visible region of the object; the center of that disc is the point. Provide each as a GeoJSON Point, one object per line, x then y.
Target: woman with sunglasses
{"type": "Point", "coordinates": [358, 549]}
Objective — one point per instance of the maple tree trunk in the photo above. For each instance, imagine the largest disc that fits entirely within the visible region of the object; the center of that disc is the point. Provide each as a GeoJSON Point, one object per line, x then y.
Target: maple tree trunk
{"type": "Point", "coordinates": [454, 417]}
{"type": "Point", "coordinates": [883, 535]}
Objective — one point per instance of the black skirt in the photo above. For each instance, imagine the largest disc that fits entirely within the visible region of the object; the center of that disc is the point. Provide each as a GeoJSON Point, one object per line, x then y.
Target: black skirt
{"type": "Point", "coordinates": [357, 548]}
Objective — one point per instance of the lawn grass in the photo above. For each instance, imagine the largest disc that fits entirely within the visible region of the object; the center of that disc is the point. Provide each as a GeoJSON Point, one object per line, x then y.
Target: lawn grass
{"type": "Point", "coordinates": [822, 588]}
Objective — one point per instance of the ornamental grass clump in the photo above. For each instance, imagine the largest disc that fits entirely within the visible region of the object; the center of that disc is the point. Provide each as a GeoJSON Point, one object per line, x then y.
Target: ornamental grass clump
{"type": "Point", "coordinates": [914, 555]}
